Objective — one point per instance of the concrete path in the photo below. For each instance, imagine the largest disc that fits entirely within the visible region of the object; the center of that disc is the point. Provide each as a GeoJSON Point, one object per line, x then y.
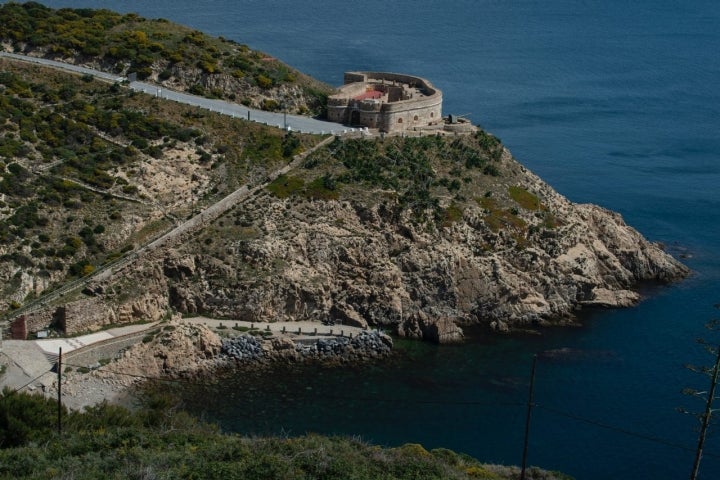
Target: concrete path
{"type": "Point", "coordinates": [29, 363]}
{"type": "Point", "coordinates": [26, 366]}
{"type": "Point", "coordinates": [52, 346]}
{"type": "Point", "coordinates": [296, 123]}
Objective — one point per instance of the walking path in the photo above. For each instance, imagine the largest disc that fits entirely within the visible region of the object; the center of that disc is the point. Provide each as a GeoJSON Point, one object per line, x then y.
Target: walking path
{"type": "Point", "coordinates": [303, 330]}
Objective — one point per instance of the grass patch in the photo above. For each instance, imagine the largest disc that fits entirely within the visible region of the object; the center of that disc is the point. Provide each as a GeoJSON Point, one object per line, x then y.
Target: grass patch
{"type": "Point", "coordinates": [285, 186]}
{"type": "Point", "coordinates": [498, 219]}
{"type": "Point", "coordinates": [322, 188]}
{"type": "Point", "coordinates": [452, 214]}
{"type": "Point", "coordinates": [525, 199]}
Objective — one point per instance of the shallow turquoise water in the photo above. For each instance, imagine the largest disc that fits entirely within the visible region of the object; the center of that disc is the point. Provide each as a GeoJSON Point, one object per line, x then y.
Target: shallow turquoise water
{"type": "Point", "coordinates": [615, 103]}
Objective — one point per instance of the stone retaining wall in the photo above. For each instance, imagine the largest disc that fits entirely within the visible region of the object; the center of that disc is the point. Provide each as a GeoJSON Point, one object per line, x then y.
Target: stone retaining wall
{"type": "Point", "coordinates": [106, 349]}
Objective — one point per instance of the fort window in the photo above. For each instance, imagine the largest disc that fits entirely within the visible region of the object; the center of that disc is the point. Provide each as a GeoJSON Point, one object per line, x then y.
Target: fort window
{"type": "Point", "coordinates": [432, 114]}
{"type": "Point", "coordinates": [399, 120]}
{"type": "Point", "coordinates": [415, 118]}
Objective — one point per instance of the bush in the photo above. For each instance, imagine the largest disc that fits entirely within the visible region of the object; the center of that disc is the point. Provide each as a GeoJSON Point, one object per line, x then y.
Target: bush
{"type": "Point", "coordinates": [25, 418]}
{"type": "Point", "coordinates": [263, 81]}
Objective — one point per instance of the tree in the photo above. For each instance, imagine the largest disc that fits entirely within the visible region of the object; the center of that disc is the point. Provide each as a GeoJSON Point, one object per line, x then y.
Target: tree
{"type": "Point", "coordinates": [708, 396]}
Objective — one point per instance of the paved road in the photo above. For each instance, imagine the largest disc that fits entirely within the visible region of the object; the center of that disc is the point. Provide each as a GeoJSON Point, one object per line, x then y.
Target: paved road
{"type": "Point", "coordinates": [295, 122]}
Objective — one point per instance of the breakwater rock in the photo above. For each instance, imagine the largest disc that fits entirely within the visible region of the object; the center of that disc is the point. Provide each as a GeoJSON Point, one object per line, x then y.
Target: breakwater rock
{"type": "Point", "coordinates": [365, 346]}
{"type": "Point", "coordinates": [243, 347]}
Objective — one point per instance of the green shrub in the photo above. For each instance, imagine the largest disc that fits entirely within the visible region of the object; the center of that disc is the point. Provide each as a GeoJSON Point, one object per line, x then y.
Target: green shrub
{"type": "Point", "coordinates": [285, 186]}
{"type": "Point", "coordinates": [263, 81]}
{"type": "Point", "coordinates": [525, 199]}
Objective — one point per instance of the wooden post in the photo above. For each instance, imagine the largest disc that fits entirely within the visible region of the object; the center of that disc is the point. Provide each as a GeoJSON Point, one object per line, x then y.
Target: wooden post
{"type": "Point", "coordinates": [530, 405]}
{"type": "Point", "coordinates": [59, 397]}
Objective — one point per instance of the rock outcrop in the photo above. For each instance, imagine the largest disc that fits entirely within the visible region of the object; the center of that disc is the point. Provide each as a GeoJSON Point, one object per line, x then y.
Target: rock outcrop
{"type": "Point", "coordinates": [173, 350]}
{"type": "Point", "coordinates": [356, 263]}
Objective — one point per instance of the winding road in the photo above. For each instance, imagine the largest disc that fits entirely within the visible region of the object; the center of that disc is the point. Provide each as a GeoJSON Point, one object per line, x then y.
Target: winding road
{"type": "Point", "coordinates": [296, 123]}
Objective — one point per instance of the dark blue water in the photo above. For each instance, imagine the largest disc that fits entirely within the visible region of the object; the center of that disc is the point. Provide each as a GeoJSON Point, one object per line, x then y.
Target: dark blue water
{"type": "Point", "coordinates": [615, 103]}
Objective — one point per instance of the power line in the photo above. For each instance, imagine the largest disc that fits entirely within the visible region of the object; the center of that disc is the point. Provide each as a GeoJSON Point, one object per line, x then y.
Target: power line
{"type": "Point", "coordinates": [625, 431]}
{"type": "Point", "coordinates": [31, 381]}
{"type": "Point", "coordinates": [579, 418]}
{"type": "Point", "coordinates": [330, 397]}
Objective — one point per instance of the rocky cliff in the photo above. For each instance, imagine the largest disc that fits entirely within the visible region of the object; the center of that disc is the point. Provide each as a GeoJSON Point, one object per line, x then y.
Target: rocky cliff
{"type": "Point", "coordinates": [519, 256]}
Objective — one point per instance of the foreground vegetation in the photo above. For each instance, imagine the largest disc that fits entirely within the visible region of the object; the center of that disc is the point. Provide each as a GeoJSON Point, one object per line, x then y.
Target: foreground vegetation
{"type": "Point", "coordinates": [160, 441]}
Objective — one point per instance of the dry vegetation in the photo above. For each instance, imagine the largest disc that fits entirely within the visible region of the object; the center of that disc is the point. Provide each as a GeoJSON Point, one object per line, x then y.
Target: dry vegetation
{"type": "Point", "coordinates": [89, 170]}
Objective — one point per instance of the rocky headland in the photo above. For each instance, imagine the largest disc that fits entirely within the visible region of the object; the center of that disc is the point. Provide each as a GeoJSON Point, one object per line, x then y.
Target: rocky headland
{"type": "Point", "coordinates": [420, 236]}
{"type": "Point", "coordinates": [518, 257]}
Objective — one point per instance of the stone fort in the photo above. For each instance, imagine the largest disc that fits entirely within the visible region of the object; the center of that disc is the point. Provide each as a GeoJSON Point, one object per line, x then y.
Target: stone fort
{"type": "Point", "coordinates": [389, 102]}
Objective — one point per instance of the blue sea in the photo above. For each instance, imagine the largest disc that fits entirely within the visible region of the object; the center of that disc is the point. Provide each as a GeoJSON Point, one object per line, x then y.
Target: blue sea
{"type": "Point", "coordinates": [615, 103]}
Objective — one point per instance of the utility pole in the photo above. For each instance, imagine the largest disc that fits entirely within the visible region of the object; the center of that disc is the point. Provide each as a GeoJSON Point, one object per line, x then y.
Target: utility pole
{"type": "Point", "coordinates": [706, 416]}
{"type": "Point", "coordinates": [59, 398]}
{"type": "Point", "coordinates": [530, 404]}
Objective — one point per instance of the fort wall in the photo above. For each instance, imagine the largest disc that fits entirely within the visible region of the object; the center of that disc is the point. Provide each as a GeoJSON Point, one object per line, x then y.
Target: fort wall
{"type": "Point", "coordinates": [390, 102]}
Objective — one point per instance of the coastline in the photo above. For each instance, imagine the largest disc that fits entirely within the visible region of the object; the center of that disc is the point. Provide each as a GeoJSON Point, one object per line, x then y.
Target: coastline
{"type": "Point", "coordinates": [183, 349]}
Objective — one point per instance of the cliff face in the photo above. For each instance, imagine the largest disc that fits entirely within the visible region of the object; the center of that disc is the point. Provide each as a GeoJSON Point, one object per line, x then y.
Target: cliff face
{"type": "Point", "coordinates": [368, 263]}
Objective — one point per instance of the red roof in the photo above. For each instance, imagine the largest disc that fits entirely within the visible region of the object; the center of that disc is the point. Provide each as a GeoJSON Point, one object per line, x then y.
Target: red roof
{"type": "Point", "coordinates": [371, 94]}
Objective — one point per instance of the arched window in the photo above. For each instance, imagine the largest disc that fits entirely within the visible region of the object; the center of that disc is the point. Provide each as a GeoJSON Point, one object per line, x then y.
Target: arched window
{"type": "Point", "coordinates": [399, 120]}
{"type": "Point", "coordinates": [415, 118]}
{"type": "Point", "coordinates": [432, 114]}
